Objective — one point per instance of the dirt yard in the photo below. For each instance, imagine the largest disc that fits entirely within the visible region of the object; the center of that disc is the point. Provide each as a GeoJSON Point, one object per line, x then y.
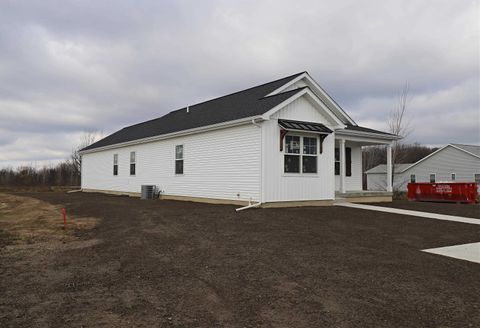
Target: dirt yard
{"type": "Point", "coordinates": [125, 262]}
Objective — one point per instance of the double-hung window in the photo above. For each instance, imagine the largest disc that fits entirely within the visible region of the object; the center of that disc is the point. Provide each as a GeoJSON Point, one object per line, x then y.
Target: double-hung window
{"type": "Point", "coordinates": [179, 159]}
{"type": "Point", "coordinates": [132, 163]}
{"type": "Point", "coordinates": [115, 164]}
{"type": "Point", "coordinates": [432, 177]}
{"type": "Point", "coordinates": [309, 158]}
{"type": "Point", "coordinates": [454, 176]}
{"type": "Point", "coordinates": [300, 154]}
{"type": "Point", "coordinates": [476, 177]}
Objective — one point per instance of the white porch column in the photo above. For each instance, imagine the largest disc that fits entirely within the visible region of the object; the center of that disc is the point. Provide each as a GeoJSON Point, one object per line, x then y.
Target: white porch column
{"type": "Point", "coordinates": [389, 168]}
{"type": "Point", "coordinates": [343, 168]}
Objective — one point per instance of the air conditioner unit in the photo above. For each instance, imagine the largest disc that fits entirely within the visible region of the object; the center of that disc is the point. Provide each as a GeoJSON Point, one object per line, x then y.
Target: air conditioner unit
{"type": "Point", "coordinates": [149, 191]}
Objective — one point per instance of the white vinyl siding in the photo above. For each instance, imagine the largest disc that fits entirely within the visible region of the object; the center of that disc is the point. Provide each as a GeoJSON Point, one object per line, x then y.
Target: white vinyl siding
{"type": "Point", "coordinates": [353, 182]}
{"type": "Point", "coordinates": [281, 186]}
{"type": "Point", "coordinates": [221, 164]}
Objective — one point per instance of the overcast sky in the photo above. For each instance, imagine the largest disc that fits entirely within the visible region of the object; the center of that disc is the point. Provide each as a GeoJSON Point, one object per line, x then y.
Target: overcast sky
{"type": "Point", "coordinates": [71, 66]}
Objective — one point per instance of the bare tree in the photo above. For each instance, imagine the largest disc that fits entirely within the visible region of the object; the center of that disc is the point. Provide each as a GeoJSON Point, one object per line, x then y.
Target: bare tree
{"type": "Point", "coordinates": [88, 138]}
{"type": "Point", "coordinates": [399, 125]}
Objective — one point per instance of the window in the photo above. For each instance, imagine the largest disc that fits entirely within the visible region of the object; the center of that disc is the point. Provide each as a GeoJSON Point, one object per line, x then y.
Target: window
{"type": "Point", "coordinates": [454, 176]}
{"type": "Point", "coordinates": [309, 158]}
{"type": "Point", "coordinates": [179, 159]}
{"type": "Point", "coordinates": [292, 154]}
{"type": "Point", "coordinates": [476, 176]}
{"type": "Point", "coordinates": [348, 160]}
{"type": "Point", "coordinates": [115, 164]}
{"type": "Point", "coordinates": [132, 163]}
{"type": "Point", "coordinates": [300, 153]}
{"type": "Point", "coordinates": [412, 178]}
{"type": "Point", "coordinates": [432, 177]}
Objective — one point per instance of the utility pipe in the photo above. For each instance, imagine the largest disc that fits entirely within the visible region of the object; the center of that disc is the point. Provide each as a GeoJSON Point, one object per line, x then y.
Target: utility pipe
{"type": "Point", "coordinates": [248, 206]}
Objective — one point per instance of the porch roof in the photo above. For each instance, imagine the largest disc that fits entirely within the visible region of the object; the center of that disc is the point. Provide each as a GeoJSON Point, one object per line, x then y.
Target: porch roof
{"type": "Point", "coordinates": [304, 126]}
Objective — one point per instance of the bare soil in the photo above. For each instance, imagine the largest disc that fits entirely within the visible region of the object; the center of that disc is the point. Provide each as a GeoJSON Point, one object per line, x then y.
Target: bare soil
{"type": "Point", "coordinates": [180, 264]}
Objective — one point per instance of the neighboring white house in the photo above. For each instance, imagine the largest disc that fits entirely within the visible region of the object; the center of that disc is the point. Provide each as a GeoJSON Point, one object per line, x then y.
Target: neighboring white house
{"type": "Point", "coordinates": [452, 163]}
{"type": "Point", "coordinates": [283, 141]}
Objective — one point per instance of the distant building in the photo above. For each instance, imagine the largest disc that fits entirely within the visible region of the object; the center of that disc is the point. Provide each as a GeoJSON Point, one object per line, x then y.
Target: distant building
{"type": "Point", "coordinates": [452, 163]}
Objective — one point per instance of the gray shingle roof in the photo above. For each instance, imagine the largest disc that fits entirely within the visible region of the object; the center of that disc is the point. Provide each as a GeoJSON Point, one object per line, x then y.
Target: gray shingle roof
{"type": "Point", "coordinates": [470, 148]}
{"type": "Point", "coordinates": [238, 105]}
{"type": "Point", "coordinates": [364, 129]}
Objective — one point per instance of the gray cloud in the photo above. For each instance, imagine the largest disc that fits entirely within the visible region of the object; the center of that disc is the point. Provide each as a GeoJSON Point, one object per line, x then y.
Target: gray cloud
{"type": "Point", "coordinates": [69, 66]}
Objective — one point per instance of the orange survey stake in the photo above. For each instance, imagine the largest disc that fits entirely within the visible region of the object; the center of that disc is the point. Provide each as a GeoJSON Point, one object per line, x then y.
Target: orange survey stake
{"type": "Point", "coordinates": [64, 212]}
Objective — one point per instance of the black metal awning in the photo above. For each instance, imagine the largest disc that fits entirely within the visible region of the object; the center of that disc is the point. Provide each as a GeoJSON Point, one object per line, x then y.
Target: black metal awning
{"type": "Point", "coordinates": [304, 126]}
{"type": "Point", "coordinates": [289, 125]}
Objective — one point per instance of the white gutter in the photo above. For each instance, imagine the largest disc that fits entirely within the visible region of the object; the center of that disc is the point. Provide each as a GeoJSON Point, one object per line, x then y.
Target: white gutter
{"type": "Point", "coordinates": [174, 134]}
{"type": "Point", "coordinates": [367, 134]}
{"type": "Point", "coordinates": [255, 123]}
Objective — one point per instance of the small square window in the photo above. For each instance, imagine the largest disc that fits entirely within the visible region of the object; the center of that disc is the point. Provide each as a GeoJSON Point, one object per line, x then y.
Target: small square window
{"type": "Point", "coordinates": [292, 164]}
{"type": "Point", "coordinates": [310, 146]}
{"type": "Point", "coordinates": [292, 144]}
{"type": "Point", "coordinates": [309, 164]}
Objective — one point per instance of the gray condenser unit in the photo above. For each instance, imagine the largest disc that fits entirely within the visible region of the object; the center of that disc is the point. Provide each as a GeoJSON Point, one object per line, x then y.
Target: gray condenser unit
{"type": "Point", "coordinates": [149, 191]}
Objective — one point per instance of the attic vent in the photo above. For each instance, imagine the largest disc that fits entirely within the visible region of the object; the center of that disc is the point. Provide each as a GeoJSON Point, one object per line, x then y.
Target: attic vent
{"type": "Point", "coordinates": [149, 191]}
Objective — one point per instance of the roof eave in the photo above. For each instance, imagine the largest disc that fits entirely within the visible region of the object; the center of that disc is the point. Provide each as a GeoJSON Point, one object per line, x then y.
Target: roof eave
{"type": "Point", "coordinates": [206, 128]}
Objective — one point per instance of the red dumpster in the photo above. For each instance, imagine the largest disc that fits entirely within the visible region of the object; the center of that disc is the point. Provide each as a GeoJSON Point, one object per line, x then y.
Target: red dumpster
{"type": "Point", "coordinates": [457, 192]}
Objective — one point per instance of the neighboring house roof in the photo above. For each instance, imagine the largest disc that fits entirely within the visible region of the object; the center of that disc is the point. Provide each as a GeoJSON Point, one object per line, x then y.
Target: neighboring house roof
{"type": "Point", "coordinates": [472, 149]}
{"type": "Point", "coordinates": [382, 168]}
{"type": "Point", "coordinates": [244, 104]}
{"type": "Point", "coordinates": [400, 168]}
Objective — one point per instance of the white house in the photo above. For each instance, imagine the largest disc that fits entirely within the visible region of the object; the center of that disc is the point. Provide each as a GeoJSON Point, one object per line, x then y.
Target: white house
{"type": "Point", "coordinates": [286, 142]}
{"type": "Point", "coordinates": [452, 163]}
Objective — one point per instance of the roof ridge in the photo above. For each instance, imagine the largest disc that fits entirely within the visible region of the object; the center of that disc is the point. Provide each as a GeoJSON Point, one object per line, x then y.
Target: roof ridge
{"type": "Point", "coordinates": [462, 144]}
{"type": "Point", "coordinates": [228, 95]}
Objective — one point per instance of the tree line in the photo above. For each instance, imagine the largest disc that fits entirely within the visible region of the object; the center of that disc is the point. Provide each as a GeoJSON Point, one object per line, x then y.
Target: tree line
{"type": "Point", "coordinates": [65, 173]}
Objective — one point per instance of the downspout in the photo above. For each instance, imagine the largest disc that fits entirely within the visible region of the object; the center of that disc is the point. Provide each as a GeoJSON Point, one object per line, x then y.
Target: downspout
{"type": "Point", "coordinates": [248, 206]}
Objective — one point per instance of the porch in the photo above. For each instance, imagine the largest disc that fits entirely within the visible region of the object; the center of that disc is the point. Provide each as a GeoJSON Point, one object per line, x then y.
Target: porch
{"type": "Point", "coordinates": [363, 196]}
{"type": "Point", "coordinates": [349, 143]}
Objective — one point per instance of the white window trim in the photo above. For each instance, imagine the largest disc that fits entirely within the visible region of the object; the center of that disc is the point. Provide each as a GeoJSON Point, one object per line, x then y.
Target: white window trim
{"type": "Point", "coordinates": [415, 177]}
{"type": "Point", "coordinates": [300, 154]}
{"type": "Point", "coordinates": [435, 177]}
{"type": "Point", "coordinates": [179, 159]}
{"type": "Point", "coordinates": [453, 176]}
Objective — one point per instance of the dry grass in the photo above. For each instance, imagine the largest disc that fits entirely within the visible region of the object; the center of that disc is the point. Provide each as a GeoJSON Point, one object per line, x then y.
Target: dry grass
{"type": "Point", "coordinates": [28, 220]}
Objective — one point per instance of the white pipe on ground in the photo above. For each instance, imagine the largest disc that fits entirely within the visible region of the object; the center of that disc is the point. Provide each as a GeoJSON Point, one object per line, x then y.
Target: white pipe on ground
{"type": "Point", "coordinates": [247, 207]}
{"type": "Point", "coordinates": [75, 190]}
